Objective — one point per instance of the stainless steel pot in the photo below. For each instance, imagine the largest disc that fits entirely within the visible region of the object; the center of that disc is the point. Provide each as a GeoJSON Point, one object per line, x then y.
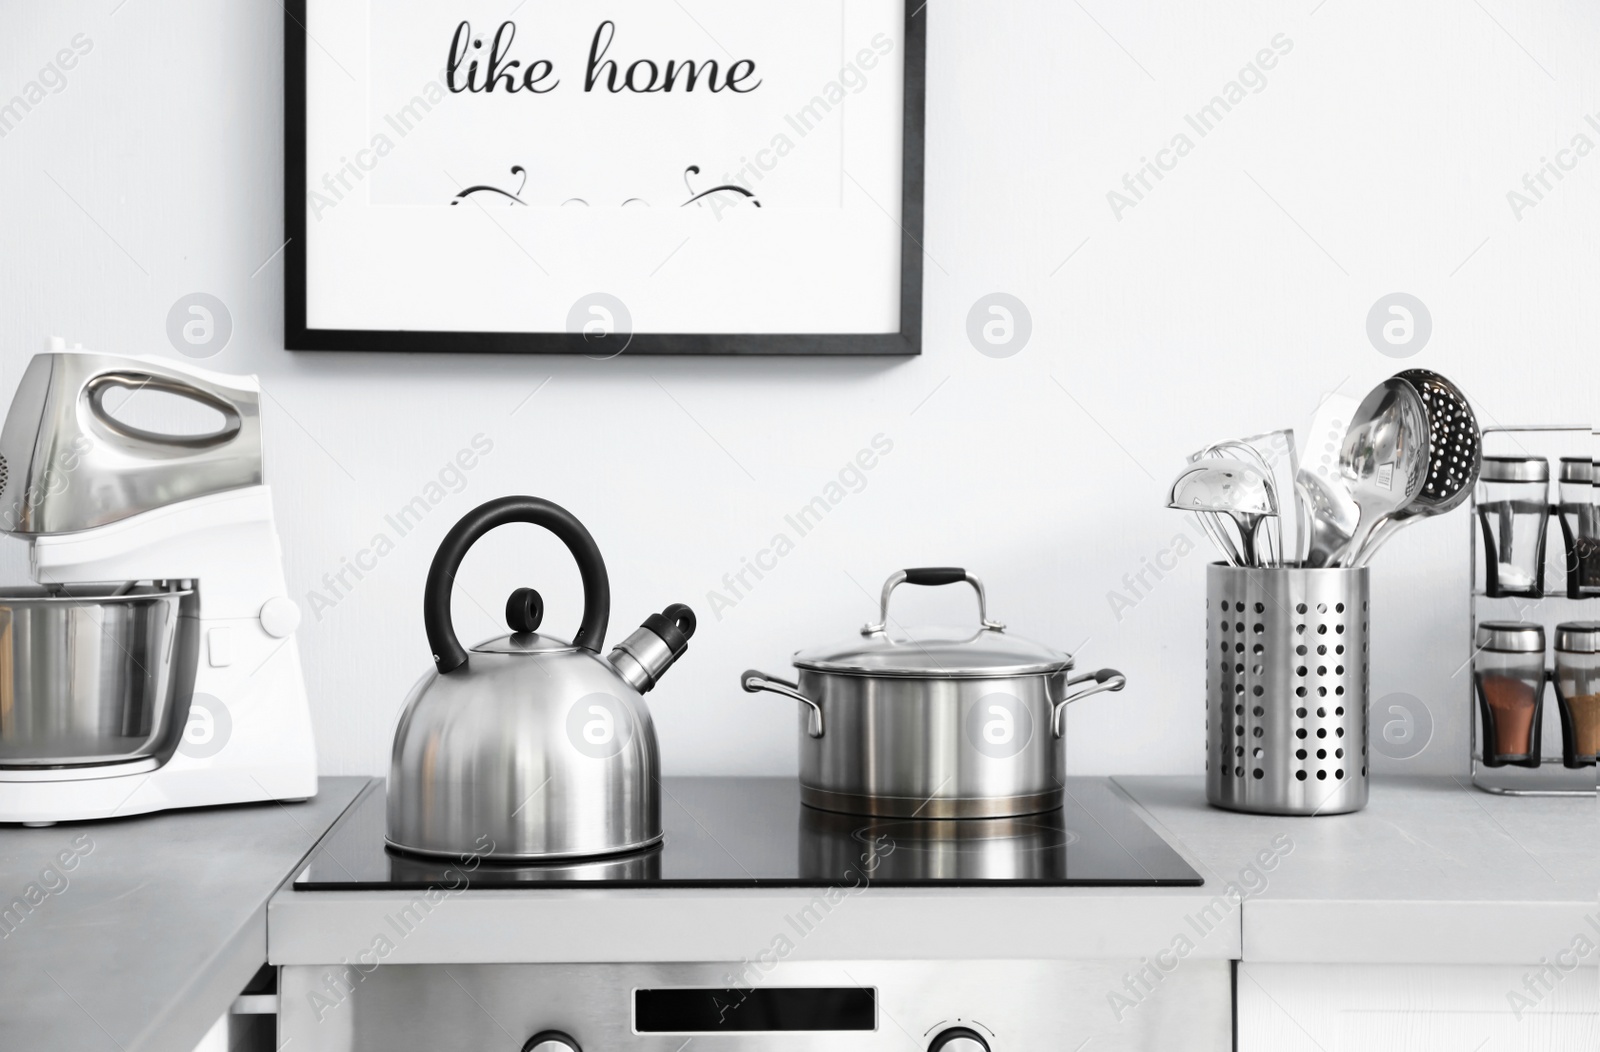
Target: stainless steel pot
{"type": "Point", "coordinates": [94, 674]}
{"type": "Point", "coordinates": [938, 724]}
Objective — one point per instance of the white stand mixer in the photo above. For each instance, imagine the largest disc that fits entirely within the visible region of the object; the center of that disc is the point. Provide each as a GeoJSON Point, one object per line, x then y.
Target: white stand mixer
{"type": "Point", "coordinates": [162, 569]}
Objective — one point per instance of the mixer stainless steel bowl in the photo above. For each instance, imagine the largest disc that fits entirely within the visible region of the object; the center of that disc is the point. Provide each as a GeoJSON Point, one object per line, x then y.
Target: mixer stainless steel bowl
{"type": "Point", "coordinates": [98, 674]}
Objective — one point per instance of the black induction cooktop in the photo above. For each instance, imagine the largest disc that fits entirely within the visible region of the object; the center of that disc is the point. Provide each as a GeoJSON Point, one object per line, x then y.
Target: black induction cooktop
{"type": "Point", "coordinates": [754, 832]}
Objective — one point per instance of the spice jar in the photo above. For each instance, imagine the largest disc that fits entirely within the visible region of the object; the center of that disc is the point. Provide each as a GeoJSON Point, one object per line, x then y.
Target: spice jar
{"type": "Point", "coordinates": [1578, 690]}
{"type": "Point", "coordinates": [1513, 508]}
{"type": "Point", "coordinates": [1509, 672]}
{"type": "Point", "coordinates": [1580, 524]}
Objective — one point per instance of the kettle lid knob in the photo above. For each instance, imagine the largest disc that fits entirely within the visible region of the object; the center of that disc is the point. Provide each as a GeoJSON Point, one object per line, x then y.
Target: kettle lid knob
{"type": "Point", "coordinates": [524, 611]}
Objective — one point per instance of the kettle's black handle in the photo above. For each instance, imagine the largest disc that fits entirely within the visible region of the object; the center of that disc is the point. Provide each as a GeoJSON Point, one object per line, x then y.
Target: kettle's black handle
{"type": "Point", "coordinates": [448, 654]}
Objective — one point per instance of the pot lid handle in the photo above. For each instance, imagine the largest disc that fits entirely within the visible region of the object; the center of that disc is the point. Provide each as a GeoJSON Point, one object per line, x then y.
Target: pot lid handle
{"type": "Point", "coordinates": [448, 653]}
{"type": "Point", "coordinates": [930, 575]}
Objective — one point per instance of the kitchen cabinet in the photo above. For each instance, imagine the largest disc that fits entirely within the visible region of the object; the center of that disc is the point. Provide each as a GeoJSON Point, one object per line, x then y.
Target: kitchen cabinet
{"type": "Point", "coordinates": [1553, 1007]}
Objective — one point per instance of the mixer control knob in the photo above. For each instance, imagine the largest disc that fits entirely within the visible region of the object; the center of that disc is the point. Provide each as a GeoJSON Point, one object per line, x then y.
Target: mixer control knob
{"type": "Point", "coordinates": [280, 616]}
{"type": "Point", "coordinates": [959, 1039]}
{"type": "Point", "coordinates": [551, 1041]}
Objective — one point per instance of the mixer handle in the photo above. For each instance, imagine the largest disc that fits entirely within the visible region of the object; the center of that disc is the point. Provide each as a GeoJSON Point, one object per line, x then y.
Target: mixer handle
{"type": "Point", "coordinates": [138, 379]}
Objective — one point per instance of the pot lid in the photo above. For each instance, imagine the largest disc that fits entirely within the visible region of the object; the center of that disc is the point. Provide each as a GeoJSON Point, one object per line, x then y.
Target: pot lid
{"type": "Point", "coordinates": [524, 643]}
{"type": "Point", "coordinates": [936, 653]}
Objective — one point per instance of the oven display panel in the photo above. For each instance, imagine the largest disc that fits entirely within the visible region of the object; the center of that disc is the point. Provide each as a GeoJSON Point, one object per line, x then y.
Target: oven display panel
{"type": "Point", "coordinates": [763, 1010]}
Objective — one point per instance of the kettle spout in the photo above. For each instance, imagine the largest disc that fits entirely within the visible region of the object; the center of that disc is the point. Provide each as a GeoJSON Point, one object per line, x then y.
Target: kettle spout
{"type": "Point", "coordinates": [653, 647]}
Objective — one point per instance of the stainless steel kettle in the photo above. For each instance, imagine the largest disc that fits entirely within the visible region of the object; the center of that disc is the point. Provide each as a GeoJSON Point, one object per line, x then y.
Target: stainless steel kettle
{"type": "Point", "coordinates": [531, 748]}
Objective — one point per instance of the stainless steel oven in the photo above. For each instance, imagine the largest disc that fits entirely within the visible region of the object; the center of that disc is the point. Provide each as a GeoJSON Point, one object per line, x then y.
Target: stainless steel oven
{"type": "Point", "coordinates": [766, 1003]}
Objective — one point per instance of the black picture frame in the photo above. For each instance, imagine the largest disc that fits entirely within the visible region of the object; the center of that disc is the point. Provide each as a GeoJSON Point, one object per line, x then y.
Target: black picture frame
{"type": "Point", "coordinates": [908, 341]}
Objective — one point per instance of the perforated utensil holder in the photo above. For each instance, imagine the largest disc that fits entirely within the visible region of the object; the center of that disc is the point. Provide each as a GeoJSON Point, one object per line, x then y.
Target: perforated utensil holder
{"type": "Point", "coordinates": [1286, 689]}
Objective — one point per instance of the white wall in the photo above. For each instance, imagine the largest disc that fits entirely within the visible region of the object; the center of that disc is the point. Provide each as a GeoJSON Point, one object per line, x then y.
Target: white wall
{"type": "Point", "coordinates": [1377, 158]}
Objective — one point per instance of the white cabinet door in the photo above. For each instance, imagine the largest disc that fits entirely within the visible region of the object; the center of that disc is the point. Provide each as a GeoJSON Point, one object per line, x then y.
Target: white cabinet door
{"type": "Point", "coordinates": [1420, 1008]}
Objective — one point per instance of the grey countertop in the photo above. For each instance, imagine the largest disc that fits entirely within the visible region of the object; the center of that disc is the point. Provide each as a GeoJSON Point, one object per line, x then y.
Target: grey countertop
{"type": "Point", "coordinates": [137, 934]}
{"type": "Point", "coordinates": [1431, 871]}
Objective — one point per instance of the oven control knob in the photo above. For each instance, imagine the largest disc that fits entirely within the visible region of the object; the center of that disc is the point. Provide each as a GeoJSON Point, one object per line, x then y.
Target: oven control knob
{"type": "Point", "coordinates": [959, 1039]}
{"type": "Point", "coordinates": [551, 1041]}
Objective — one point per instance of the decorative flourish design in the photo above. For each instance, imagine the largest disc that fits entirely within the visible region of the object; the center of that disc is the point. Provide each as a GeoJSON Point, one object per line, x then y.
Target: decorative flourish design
{"type": "Point", "coordinates": [516, 198]}
{"type": "Point", "coordinates": [694, 169]}
{"type": "Point", "coordinates": [695, 198]}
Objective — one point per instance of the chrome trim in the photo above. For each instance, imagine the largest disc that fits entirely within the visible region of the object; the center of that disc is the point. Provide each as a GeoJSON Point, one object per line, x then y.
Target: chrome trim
{"type": "Point", "coordinates": [80, 772]}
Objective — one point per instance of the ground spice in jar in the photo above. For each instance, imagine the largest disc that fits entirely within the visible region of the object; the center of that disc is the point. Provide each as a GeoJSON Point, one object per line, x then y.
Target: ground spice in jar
{"type": "Point", "coordinates": [1585, 710]}
{"type": "Point", "coordinates": [1512, 702]}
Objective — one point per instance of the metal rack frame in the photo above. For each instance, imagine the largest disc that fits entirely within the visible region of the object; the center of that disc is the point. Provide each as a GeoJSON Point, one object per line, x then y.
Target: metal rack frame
{"type": "Point", "coordinates": [1552, 777]}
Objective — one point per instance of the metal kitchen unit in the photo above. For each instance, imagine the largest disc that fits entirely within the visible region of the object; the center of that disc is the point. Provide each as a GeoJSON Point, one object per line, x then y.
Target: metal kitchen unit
{"type": "Point", "coordinates": [833, 1006]}
{"type": "Point", "coordinates": [759, 923]}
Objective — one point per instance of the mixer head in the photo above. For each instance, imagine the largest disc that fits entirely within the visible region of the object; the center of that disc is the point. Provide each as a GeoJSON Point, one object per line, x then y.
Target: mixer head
{"type": "Point", "coordinates": [67, 463]}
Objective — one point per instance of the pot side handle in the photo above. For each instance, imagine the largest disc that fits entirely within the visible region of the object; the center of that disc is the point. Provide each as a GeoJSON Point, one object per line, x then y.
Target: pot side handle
{"type": "Point", "coordinates": [754, 682]}
{"type": "Point", "coordinates": [1105, 679]}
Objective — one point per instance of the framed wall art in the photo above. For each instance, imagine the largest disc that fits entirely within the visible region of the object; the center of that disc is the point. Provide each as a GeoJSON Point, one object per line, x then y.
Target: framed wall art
{"type": "Point", "coordinates": [648, 176]}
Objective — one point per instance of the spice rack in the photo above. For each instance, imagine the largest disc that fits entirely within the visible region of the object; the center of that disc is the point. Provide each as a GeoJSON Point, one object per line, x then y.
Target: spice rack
{"type": "Point", "coordinates": [1554, 598]}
